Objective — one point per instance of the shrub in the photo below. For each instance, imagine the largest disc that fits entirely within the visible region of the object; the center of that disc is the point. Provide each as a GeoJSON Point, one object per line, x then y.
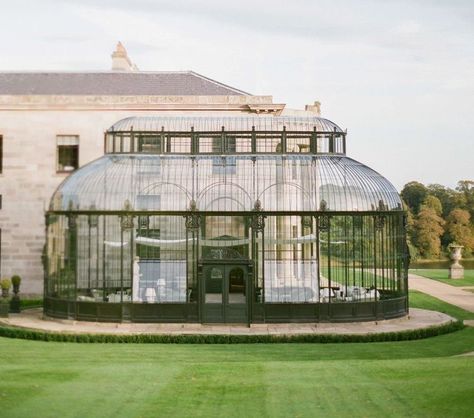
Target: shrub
{"type": "Point", "coordinates": [16, 280]}
{"type": "Point", "coordinates": [30, 334]}
{"type": "Point", "coordinates": [5, 283]}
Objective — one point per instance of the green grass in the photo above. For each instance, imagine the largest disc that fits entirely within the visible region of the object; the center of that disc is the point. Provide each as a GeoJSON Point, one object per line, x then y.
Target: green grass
{"type": "Point", "coordinates": [31, 303]}
{"type": "Point", "coordinates": [423, 378]}
{"type": "Point", "coordinates": [424, 301]}
{"type": "Point", "coordinates": [441, 275]}
{"type": "Point", "coordinates": [334, 380]}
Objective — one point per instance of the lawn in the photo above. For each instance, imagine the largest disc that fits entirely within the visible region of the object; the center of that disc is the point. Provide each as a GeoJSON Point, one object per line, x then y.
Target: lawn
{"type": "Point", "coordinates": [424, 301]}
{"type": "Point", "coordinates": [400, 379]}
{"type": "Point", "coordinates": [441, 275]}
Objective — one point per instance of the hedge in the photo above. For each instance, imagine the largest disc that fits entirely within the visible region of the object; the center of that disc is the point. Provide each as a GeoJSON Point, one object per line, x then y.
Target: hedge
{"type": "Point", "coordinates": [37, 335]}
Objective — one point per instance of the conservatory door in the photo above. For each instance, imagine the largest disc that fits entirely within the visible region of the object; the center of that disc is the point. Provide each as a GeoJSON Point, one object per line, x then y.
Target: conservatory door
{"type": "Point", "coordinates": [225, 293]}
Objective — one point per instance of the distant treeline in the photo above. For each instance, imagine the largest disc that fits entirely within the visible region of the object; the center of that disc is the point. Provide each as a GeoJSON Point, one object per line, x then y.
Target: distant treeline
{"type": "Point", "coordinates": [439, 216]}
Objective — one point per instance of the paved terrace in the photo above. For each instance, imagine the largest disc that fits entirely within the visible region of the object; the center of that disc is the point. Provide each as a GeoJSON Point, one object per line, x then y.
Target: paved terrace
{"type": "Point", "coordinates": [418, 319]}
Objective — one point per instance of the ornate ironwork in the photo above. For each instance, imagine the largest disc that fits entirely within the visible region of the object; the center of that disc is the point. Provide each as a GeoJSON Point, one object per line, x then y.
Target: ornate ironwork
{"type": "Point", "coordinates": [72, 221]}
{"type": "Point", "coordinates": [379, 222]}
{"type": "Point", "coordinates": [324, 221]}
{"type": "Point", "coordinates": [323, 205]}
{"type": "Point", "coordinates": [223, 254]}
{"type": "Point", "coordinates": [258, 218]}
{"type": "Point", "coordinates": [126, 222]}
{"type": "Point", "coordinates": [192, 219]}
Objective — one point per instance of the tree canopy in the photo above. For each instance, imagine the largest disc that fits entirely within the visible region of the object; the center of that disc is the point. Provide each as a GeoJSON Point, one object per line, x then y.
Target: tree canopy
{"type": "Point", "coordinates": [438, 216]}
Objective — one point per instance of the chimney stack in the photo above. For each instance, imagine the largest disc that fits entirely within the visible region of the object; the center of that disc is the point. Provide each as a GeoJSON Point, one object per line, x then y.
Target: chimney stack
{"type": "Point", "coordinates": [121, 61]}
{"type": "Point", "coordinates": [314, 108]}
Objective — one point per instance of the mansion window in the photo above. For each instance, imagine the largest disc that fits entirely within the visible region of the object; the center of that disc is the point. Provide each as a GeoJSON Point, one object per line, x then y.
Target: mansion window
{"type": "Point", "coordinates": [67, 153]}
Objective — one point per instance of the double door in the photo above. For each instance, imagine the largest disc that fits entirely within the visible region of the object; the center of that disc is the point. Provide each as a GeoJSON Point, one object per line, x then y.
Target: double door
{"type": "Point", "coordinates": [225, 291]}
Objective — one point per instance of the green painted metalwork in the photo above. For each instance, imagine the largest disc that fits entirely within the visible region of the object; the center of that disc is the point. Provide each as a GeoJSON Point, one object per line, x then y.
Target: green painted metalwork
{"type": "Point", "coordinates": [304, 233]}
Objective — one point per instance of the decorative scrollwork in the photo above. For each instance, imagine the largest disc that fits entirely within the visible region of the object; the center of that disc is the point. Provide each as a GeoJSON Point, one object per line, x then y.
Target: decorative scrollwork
{"type": "Point", "coordinates": [223, 254]}
{"type": "Point", "coordinates": [192, 218]}
{"type": "Point", "coordinates": [72, 221]}
{"type": "Point", "coordinates": [379, 222]}
{"type": "Point", "coordinates": [258, 218]}
{"type": "Point", "coordinates": [323, 206]}
{"type": "Point", "coordinates": [324, 223]}
{"type": "Point", "coordinates": [126, 222]}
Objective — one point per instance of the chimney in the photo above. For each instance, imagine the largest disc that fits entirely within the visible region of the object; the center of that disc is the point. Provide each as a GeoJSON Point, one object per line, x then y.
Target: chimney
{"type": "Point", "coordinates": [121, 61]}
{"type": "Point", "coordinates": [314, 108]}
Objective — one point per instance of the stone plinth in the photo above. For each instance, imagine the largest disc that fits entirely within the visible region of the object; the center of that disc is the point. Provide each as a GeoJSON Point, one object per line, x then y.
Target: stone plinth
{"type": "Point", "coordinates": [456, 272]}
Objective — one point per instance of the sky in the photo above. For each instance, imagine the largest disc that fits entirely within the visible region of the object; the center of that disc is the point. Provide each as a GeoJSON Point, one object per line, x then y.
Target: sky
{"type": "Point", "coordinates": [398, 75]}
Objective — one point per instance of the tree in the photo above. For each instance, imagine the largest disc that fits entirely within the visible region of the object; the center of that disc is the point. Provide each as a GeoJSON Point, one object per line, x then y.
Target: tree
{"type": "Point", "coordinates": [414, 193]}
{"type": "Point", "coordinates": [433, 203]}
{"type": "Point", "coordinates": [459, 230]}
{"type": "Point", "coordinates": [449, 198]}
{"type": "Point", "coordinates": [428, 231]}
{"type": "Point", "coordinates": [411, 233]}
{"type": "Point", "coordinates": [466, 188]}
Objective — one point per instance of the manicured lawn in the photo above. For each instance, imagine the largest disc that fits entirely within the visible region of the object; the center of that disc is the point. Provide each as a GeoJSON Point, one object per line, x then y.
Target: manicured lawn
{"type": "Point", "coordinates": [424, 301]}
{"type": "Point", "coordinates": [424, 378]}
{"type": "Point", "coordinates": [442, 276]}
{"type": "Point", "coordinates": [417, 378]}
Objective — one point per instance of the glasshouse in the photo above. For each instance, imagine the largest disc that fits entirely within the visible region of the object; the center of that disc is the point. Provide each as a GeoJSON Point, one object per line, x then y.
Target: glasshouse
{"type": "Point", "coordinates": [254, 219]}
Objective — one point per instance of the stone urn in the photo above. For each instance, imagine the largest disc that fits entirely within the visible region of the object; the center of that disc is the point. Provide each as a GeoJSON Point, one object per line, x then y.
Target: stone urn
{"type": "Point", "coordinates": [456, 271]}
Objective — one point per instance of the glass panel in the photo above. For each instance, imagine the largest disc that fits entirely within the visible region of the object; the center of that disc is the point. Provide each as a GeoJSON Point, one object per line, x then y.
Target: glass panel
{"type": "Point", "coordinates": [214, 285]}
{"type": "Point", "coordinates": [290, 260]}
{"type": "Point", "coordinates": [68, 157]}
{"type": "Point", "coordinates": [150, 144]}
{"type": "Point", "coordinates": [298, 143]}
{"type": "Point", "coordinates": [297, 182]}
{"type": "Point", "coordinates": [237, 286]}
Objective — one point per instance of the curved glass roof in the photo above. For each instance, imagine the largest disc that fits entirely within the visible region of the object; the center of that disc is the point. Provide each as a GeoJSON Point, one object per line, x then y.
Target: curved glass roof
{"type": "Point", "coordinates": [236, 123]}
{"type": "Point", "coordinates": [225, 183]}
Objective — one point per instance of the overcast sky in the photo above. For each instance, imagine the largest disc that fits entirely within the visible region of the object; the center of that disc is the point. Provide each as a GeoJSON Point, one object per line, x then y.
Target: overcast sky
{"type": "Point", "coordinates": [399, 75]}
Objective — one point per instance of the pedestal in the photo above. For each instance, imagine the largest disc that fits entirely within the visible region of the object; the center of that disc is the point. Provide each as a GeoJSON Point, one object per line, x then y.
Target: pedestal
{"type": "Point", "coordinates": [15, 306]}
{"type": "Point", "coordinates": [456, 272]}
{"type": "Point", "coordinates": [4, 308]}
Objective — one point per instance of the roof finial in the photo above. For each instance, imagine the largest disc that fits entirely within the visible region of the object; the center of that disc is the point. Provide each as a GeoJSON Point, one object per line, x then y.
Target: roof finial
{"type": "Point", "coordinates": [121, 61]}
